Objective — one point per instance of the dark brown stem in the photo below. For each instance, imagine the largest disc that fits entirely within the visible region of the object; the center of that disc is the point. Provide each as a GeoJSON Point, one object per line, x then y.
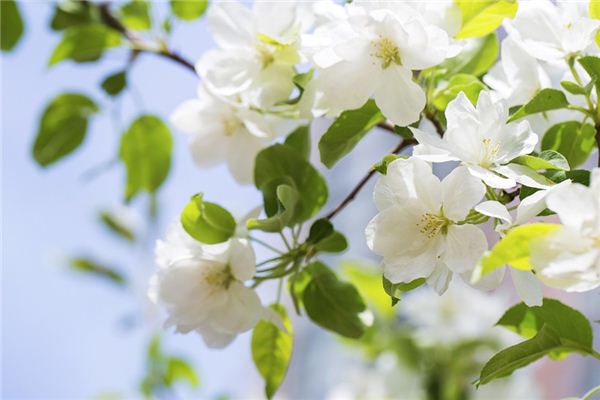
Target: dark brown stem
{"type": "Point", "coordinates": [110, 20]}
{"type": "Point", "coordinates": [436, 122]}
{"type": "Point", "coordinates": [348, 199]}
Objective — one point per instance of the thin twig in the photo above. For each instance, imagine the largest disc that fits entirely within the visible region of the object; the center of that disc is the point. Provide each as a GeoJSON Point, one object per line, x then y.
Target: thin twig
{"type": "Point", "coordinates": [403, 144]}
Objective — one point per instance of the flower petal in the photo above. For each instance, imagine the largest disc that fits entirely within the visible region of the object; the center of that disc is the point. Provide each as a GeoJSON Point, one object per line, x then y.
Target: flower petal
{"type": "Point", "coordinates": [460, 193]}
{"type": "Point", "coordinates": [465, 244]}
{"type": "Point", "coordinates": [402, 109]}
{"type": "Point", "coordinates": [527, 286]}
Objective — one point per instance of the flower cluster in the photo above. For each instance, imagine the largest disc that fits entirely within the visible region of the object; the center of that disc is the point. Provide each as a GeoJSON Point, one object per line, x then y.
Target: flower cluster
{"type": "Point", "coordinates": [511, 125]}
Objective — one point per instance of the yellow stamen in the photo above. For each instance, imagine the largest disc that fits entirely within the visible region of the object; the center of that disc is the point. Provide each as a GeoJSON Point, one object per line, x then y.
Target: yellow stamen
{"type": "Point", "coordinates": [431, 225]}
{"type": "Point", "coordinates": [387, 51]}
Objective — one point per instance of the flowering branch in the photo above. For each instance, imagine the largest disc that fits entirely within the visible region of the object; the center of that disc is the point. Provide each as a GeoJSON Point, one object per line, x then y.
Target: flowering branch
{"type": "Point", "coordinates": [403, 144]}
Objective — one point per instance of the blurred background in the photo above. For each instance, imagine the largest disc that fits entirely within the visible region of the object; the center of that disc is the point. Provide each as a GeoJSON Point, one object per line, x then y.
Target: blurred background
{"type": "Point", "coordinates": [66, 335]}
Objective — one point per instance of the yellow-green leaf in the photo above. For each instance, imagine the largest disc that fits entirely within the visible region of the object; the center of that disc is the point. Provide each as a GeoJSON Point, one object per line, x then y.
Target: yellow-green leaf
{"type": "Point", "coordinates": [480, 17]}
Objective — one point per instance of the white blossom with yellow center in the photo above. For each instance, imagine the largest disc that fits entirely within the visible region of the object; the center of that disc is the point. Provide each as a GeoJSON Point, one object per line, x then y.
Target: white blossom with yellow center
{"type": "Point", "coordinates": [570, 258]}
{"type": "Point", "coordinates": [419, 230]}
{"type": "Point", "coordinates": [202, 287]}
{"type": "Point", "coordinates": [481, 139]}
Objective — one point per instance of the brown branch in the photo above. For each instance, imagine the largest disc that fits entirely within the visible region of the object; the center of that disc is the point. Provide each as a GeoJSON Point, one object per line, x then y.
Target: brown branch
{"type": "Point", "coordinates": [140, 47]}
{"type": "Point", "coordinates": [348, 199]}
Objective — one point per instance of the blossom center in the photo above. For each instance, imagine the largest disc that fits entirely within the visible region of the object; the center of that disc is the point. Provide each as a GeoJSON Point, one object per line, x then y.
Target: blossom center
{"type": "Point", "coordinates": [220, 278]}
{"type": "Point", "coordinates": [490, 152]}
{"type": "Point", "coordinates": [231, 125]}
{"type": "Point", "coordinates": [265, 54]}
{"type": "Point", "coordinates": [431, 225]}
{"type": "Point", "coordinates": [387, 51]}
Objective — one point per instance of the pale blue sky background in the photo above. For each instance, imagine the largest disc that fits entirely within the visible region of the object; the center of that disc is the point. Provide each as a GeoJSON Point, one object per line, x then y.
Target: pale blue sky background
{"type": "Point", "coordinates": [64, 335]}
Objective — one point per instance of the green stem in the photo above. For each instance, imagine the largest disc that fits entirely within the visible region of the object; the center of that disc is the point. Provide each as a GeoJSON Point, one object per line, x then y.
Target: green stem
{"type": "Point", "coordinates": [588, 395]}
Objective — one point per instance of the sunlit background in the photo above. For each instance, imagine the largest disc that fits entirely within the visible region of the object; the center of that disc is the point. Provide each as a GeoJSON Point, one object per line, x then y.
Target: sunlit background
{"type": "Point", "coordinates": [67, 335]}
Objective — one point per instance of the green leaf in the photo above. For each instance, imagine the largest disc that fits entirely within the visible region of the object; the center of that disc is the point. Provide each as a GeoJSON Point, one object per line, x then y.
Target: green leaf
{"type": "Point", "coordinates": [146, 152]}
{"type": "Point", "coordinates": [382, 165]}
{"type": "Point", "coordinates": [520, 355]}
{"type": "Point", "coordinates": [272, 350]}
{"type": "Point", "coordinates": [395, 290]}
{"type": "Point", "coordinates": [12, 25]}
{"type": "Point", "coordinates": [513, 249]}
{"type": "Point", "coordinates": [347, 130]}
{"type": "Point", "coordinates": [279, 164]}
{"type": "Point", "coordinates": [207, 222]}
{"type": "Point", "coordinates": [92, 267]}
{"type": "Point", "coordinates": [135, 15]}
{"type": "Point", "coordinates": [547, 159]}
{"type": "Point", "coordinates": [333, 304]}
{"type": "Point", "coordinates": [367, 279]}
{"type": "Point", "coordinates": [484, 16]}
{"type": "Point", "coordinates": [567, 322]}
{"type": "Point", "coordinates": [114, 224]}
{"type": "Point", "coordinates": [84, 43]}
{"type": "Point", "coordinates": [468, 84]}
{"type": "Point", "coordinates": [299, 141]}
{"type": "Point", "coordinates": [574, 140]}
{"type": "Point", "coordinates": [288, 200]}
{"type": "Point", "coordinates": [325, 239]}
{"type": "Point", "coordinates": [62, 127]}
{"type": "Point", "coordinates": [188, 10]}
{"type": "Point", "coordinates": [577, 176]}
{"type": "Point", "coordinates": [591, 65]}
{"type": "Point", "coordinates": [74, 12]}
{"type": "Point", "coordinates": [545, 100]}
{"type": "Point", "coordinates": [572, 88]}
{"type": "Point", "coordinates": [114, 83]}
{"type": "Point", "coordinates": [179, 370]}
{"type": "Point", "coordinates": [594, 9]}
{"type": "Point", "coordinates": [478, 56]}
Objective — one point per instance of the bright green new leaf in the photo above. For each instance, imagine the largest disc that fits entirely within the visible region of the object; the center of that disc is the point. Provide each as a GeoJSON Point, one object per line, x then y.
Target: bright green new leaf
{"type": "Point", "coordinates": [346, 131]}
{"type": "Point", "coordinates": [12, 25]}
{"type": "Point", "coordinates": [573, 88]}
{"type": "Point", "coordinates": [62, 127]}
{"type": "Point", "coordinates": [478, 56]}
{"type": "Point", "coordinates": [468, 84]}
{"type": "Point", "coordinates": [114, 83]}
{"type": "Point", "coordinates": [70, 13]}
{"type": "Point", "coordinates": [207, 222]}
{"type": "Point", "coordinates": [545, 100]}
{"type": "Point", "coordinates": [92, 267]}
{"type": "Point", "coordinates": [272, 350]}
{"type": "Point", "coordinates": [574, 140]}
{"type": "Point", "coordinates": [299, 141]}
{"type": "Point", "coordinates": [288, 200]}
{"type": "Point", "coordinates": [480, 17]}
{"type": "Point", "coordinates": [188, 10]}
{"type": "Point", "coordinates": [179, 370]}
{"type": "Point", "coordinates": [83, 43]}
{"type": "Point", "coordinates": [333, 304]}
{"type": "Point", "coordinates": [146, 152]}
{"type": "Point", "coordinates": [513, 249]}
{"type": "Point", "coordinates": [279, 164]}
{"type": "Point", "coordinates": [547, 159]}
{"type": "Point", "coordinates": [114, 224]}
{"type": "Point", "coordinates": [135, 15]}
{"type": "Point", "coordinates": [594, 9]}
{"type": "Point", "coordinates": [567, 322]}
{"type": "Point", "coordinates": [382, 165]}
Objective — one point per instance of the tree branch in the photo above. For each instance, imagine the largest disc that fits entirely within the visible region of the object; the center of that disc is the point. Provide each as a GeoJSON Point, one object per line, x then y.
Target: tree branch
{"type": "Point", "coordinates": [348, 199]}
{"type": "Point", "coordinates": [140, 47]}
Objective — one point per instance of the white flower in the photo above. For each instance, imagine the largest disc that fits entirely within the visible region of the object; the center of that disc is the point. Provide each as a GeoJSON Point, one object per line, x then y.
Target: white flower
{"type": "Point", "coordinates": [481, 139]}
{"type": "Point", "coordinates": [372, 53]}
{"type": "Point", "coordinates": [202, 287]}
{"type": "Point", "coordinates": [553, 32]}
{"type": "Point", "coordinates": [570, 258]}
{"type": "Point", "coordinates": [258, 49]}
{"type": "Point", "coordinates": [517, 77]}
{"type": "Point", "coordinates": [416, 230]}
{"type": "Point", "coordinates": [222, 132]}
